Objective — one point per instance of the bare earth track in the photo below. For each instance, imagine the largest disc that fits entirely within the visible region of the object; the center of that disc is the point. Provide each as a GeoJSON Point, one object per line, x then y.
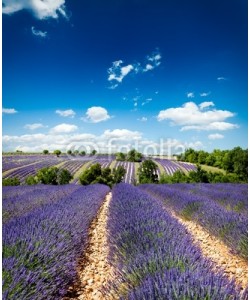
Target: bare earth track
{"type": "Point", "coordinates": [94, 270]}
{"type": "Point", "coordinates": [233, 266]}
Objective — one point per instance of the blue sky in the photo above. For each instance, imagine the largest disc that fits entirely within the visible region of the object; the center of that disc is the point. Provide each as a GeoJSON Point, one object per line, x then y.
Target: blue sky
{"type": "Point", "coordinates": [159, 75]}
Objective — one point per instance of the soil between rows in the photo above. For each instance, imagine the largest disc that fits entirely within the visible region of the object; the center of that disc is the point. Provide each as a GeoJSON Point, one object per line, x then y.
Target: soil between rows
{"type": "Point", "coordinates": [94, 271]}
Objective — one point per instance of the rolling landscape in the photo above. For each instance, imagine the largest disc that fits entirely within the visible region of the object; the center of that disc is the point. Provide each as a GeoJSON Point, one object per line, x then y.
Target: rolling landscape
{"type": "Point", "coordinates": [124, 150]}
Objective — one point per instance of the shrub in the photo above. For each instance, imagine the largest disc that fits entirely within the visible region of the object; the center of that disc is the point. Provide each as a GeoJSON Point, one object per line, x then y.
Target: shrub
{"type": "Point", "coordinates": [11, 181]}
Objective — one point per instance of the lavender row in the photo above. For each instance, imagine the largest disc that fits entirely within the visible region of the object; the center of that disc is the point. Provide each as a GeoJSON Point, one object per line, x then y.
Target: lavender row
{"type": "Point", "coordinates": [187, 166]}
{"type": "Point", "coordinates": [30, 170]}
{"type": "Point", "coordinates": [16, 161]}
{"type": "Point", "coordinates": [229, 226]}
{"type": "Point", "coordinates": [155, 256]}
{"type": "Point", "coordinates": [231, 196]}
{"type": "Point", "coordinates": [22, 201]}
{"type": "Point", "coordinates": [130, 171]}
{"type": "Point", "coordinates": [40, 250]}
{"type": "Point", "coordinates": [169, 167]}
{"type": "Point", "coordinates": [73, 165]}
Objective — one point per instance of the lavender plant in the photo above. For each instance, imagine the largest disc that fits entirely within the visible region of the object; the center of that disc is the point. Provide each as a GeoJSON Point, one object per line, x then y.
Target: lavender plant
{"type": "Point", "coordinates": [188, 202]}
{"type": "Point", "coordinates": [41, 248]}
{"type": "Point", "coordinates": [155, 255]}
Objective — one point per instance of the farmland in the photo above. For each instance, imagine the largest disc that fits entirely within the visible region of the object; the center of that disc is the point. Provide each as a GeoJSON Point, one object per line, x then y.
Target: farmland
{"type": "Point", "coordinates": [75, 241]}
{"type": "Point", "coordinates": [22, 166]}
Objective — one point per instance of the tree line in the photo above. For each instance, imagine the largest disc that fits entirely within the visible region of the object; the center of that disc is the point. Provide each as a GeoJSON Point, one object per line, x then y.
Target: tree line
{"type": "Point", "coordinates": [232, 161]}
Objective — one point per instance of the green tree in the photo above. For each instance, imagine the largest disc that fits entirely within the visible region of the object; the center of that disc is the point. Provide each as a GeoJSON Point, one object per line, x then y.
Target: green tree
{"type": "Point", "coordinates": [120, 156]}
{"type": "Point", "coordinates": [89, 175]}
{"type": "Point", "coordinates": [147, 172]}
{"type": "Point", "coordinates": [45, 151]}
{"type": "Point", "coordinates": [199, 175]}
{"type": "Point", "coordinates": [31, 180]}
{"type": "Point", "coordinates": [47, 175]}
{"type": "Point", "coordinates": [93, 152]}
{"type": "Point", "coordinates": [134, 156]}
{"type": "Point", "coordinates": [69, 152]}
{"type": "Point", "coordinates": [118, 174]}
{"type": "Point", "coordinates": [179, 177]}
{"type": "Point", "coordinates": [202, 156]}
{"type": "Point", "coordinates": [11, 181]}
{"type": "Point", "coordinates": [83, 153]}
{"type": "Point", "coordinates": [63, 176]}
{"type": "Point", "coordinates": [57, 153]}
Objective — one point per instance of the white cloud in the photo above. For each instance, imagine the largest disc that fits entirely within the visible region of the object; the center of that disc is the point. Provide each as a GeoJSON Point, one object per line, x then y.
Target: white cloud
{"type": "Point", "coordinates": [122, 134]}
{"type": "Point", "coordinates": [212, 126]}
{"type": "Point", "coordinates": [215, 136]}
{"type": "Point", "coordinates": [148, 67]}
{"type": "Point", "coordinates": [154, 60]}
{"type": "Point", "coordinates": [143, 119]}
{"type": "Point", "coordinates": [34, 126]}
{"type": "Point", "coordinates": [9, 111]}
{"type": "Point", "coordinates": [66, 113]}
{"type": "Point", "coordinates": [190, 95]}
{"type": "Point", "coordinates": [146, 101]}
{"type": "Point", "coordinates": [63, 128]}
{"type": "Point", "coordinates": [41, 9]}
{"type": "Point", "coordinates": [96, 114]}
{"type": "Point", "coordinates": [205, 94]}
{"type": "Point", "coordinates": [117, 72]}
{"type": "Point", "coordinates": [40, 33]}
{"type": "Point", "coordinates": [206, 104]}
{"type": "Point", "coordinates": [191, 117]}
{"type": "Point", "coordinates": [110, 141]}
{"type": "Point", "coordinates": [221, 78]}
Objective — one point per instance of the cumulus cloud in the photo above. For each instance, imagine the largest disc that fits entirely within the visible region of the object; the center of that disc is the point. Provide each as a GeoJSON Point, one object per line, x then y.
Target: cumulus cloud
{"type": "Point", "coordinates": [206, 104]}
{"type": "Point", "coordinates": [9, 111]}
{"type": "Point", "coordinates": [96, 114]}
{"type": "Point", "coordinates": [66, 113]}
{"type": "Point", "coordinates": [122, 134]}
{"type": "Point", "coordinates": [190, 95]}
{"type": "Point", "coordinates": [39, 8]}
{"type": "Point", "coordinates": [42, 34]}
{"type": "Point", "coordinates": [192, 117]}
{"type": "Point", "coordinates": [215, 136]}
{"type": "Point", "coordinates": [63, 128]}
{"type": "Point", "coordinates": [34, 126]}
{"type": "Point", "coordinates": [110, 141]}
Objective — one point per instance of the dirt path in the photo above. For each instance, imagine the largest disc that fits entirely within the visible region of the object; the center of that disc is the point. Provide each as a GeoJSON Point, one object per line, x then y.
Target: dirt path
{"type": "Point", "coordinates": [94, 270]}
{"type": "Point", "coordinates": [234, 266]}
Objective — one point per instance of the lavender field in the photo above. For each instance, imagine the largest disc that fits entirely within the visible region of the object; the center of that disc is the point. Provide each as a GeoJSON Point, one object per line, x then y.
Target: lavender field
{"type": "Point", "coordinates": [23, 166]}
{"type": "Point", "coordinates": [45, 233]}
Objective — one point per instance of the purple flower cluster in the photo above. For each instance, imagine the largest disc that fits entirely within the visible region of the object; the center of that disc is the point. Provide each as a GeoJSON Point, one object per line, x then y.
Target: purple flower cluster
{"type": "Point", "coordinates": [21, 201]}
{"type": "Point", "coordinates": [41, 248]}
{"type": "Point", "coordinates": [29, 170]}
{"type": "Point", "coordinates": [73, 165]}
{"type": "Point", "coordinates": [15, 161]}
{"type": "Point", "coordinates": [193, 202]}
{"type": "Point", "coordinates": [187, 166]}
{"type": "Point", "coordinates": [155, 255]}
